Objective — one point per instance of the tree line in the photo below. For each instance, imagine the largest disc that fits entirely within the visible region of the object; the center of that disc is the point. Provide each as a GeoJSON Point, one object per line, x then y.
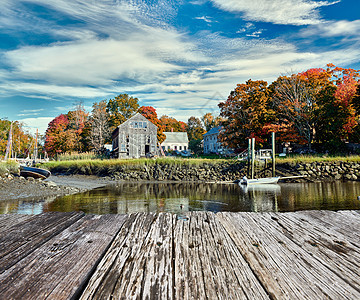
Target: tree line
{"type": "Point", "coordinates": [80, 131]}
{"type": "Point", "coordinates": [317, 107]}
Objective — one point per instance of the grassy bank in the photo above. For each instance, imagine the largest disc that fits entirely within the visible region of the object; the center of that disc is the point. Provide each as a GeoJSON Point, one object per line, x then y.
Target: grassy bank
{"type": "Point", "coordinates": [8, 167]}
{"type": "Point", "coordinates": [99, 167]}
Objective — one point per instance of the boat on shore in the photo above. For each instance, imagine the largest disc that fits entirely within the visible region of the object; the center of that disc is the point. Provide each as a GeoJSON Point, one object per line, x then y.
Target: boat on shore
{"type": "Point", "coordinates": [267, 180]}
{"type": "Point", "coordinates": [34, 172]}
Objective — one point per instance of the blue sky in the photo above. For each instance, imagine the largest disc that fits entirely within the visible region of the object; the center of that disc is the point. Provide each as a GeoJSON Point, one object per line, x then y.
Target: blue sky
{"type": "Point", "coordinates": [182, 57]}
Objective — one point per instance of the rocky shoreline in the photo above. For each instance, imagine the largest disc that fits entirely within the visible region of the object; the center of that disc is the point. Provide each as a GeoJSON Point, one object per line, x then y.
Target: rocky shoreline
{"type": "Point", "coordinates": [13, 187]}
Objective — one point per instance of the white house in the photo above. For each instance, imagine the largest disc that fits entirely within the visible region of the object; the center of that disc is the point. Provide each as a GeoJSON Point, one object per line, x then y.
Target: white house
{"type": "Point", "coordinates": [175, 141]}
{"type": "Point", "coordinates": [211, 143]}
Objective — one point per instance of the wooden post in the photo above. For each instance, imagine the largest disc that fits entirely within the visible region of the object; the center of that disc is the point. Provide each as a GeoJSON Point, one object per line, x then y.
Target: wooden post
{"type": "Point", "coordinates": [273, 152]}
{"type": "Point", "coordinates": [252, 157]}
{"type": "Point", "coordinates": [248, 158]}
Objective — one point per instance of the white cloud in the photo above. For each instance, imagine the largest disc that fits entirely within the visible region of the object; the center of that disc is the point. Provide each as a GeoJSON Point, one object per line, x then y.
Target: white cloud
{"type": "Point", "coordinates": [40, 123]}
{"type": "Point", "coordinates": [341, 28]}
{"type": "Point", "coordinates": [294, 12]}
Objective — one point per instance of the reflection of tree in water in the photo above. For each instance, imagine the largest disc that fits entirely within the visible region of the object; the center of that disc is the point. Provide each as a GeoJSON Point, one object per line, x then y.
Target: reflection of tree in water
{"type": "Point", "coordinates": [182, 197]}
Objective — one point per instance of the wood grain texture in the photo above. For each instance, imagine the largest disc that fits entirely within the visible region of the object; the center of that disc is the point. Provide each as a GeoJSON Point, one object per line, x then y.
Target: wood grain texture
{"type": "Point", "coordinates": [208, 265]}
{"type": "Point", "coordinates": [59, 268]}
{"type": "Point", "coordinates": [285, 268]}
{"type": "Point", "coordinates": [9, 220]}
{"type": "Point", "coordinates": [138, 264]}
{"type": "Point", "coordinates": [24, 237]}
{"type": "Point", "coordinates": [329, 247]}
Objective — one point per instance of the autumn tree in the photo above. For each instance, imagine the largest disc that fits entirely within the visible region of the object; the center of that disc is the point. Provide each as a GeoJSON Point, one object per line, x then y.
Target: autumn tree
{"type": "Point", "coordinates": [77, 127]}
{"type": "Point", "coordinates": [295, 103]}
{"type": "Point", "coordinates": [121, 108]}
{"type": "Point", "coordinates": [57, 138]}
{"type": "Point", "coordinates": [150, 113]}
{"type": "Point", "coordinates": [246, 111]}
{"type": "Point", "coordinates": [22, 141]}
{"type": "Point", "coordinates": [210, 121]}
{"type": "Point", "coordinates": [99, 125]}
{"type": "Point", "coordinates": [195, 129]}
{"type": "Point", "coordinates": [171, 124]}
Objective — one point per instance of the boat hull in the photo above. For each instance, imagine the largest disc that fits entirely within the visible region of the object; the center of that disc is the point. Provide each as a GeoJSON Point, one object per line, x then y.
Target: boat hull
{"type": "Point", "coordinates": [269, 180]}
{"type": "Point", "coordinates": [34, 172]}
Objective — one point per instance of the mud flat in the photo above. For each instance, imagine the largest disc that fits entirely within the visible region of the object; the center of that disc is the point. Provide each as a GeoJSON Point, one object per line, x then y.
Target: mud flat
{"type": "Point", "coordinates": [15, 187]}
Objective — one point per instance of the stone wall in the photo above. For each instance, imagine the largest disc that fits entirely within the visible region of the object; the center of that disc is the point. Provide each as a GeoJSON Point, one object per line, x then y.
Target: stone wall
{"type": "Point", "coordinates": [162, 172]}
{"type": "Point", "coordinates": [227, 171]}
{"type": "Point", "coordinates": [327, 170]}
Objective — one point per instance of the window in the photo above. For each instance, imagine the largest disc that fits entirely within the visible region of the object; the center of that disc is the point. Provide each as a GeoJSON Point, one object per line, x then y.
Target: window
{"type": "Point", "coordinates": [140, 124]}
{"type": "Point", "coordinates": [135, 124]}
{"type": "Point", "coordinates": [144, 124]}
{"type": "Point", "coordinates": [175, 147]}
{"type": "Point", "coordinates": [123, 148]}
{"type": "Point", "coordinates": [180, 148]}
{"type": "Point", "coordinates": [184, 147]}
{"type": "Point", "coordinates": [168, 147]}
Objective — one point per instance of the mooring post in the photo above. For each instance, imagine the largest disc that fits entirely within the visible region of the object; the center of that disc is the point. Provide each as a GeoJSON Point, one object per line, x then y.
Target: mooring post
{"type": "Point", "coordinates": [252, 157]}
{"type": "Point", "coordinates": [273, 152]}
{"type": "Point", "coordinates": [248, 158]}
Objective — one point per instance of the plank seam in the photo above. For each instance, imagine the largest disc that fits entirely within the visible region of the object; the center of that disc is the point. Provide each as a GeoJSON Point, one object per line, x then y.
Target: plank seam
{"type": "Point", "coordinates": [79, 292]}
{"type": "Point", "coordinates": [252, 270]}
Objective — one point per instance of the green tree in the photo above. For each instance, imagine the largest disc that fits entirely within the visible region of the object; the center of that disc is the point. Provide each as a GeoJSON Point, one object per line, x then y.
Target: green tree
{"type": "Point", "coordinates": [121, 108]}
{"type": "Point", "coordinates": [195, 129]}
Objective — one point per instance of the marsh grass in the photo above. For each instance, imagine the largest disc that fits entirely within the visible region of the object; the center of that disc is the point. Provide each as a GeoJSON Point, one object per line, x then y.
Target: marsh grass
{"type": "Point", "coordinates": [108, 166]}
{"type": "Point", "coordinates": [78, 156]}
{"type": "Point", "coordinates": [9, 166]}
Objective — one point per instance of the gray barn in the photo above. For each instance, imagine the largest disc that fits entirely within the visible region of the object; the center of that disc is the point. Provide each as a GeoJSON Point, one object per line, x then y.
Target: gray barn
{"type": "Point", "coordinates": [135, 138]}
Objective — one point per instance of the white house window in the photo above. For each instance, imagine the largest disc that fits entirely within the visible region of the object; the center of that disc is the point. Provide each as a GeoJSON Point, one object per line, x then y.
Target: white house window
{"type": "Point", "coordinates": [123, 148]}
{"type": "Point", "coordinates": [180, 148]}
{"type": "Point", "coordinates": [184, 147]}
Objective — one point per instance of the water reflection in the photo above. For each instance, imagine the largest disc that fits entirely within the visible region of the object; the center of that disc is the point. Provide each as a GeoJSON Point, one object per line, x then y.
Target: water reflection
{"type": "Point", "coordinates": [182, 197]}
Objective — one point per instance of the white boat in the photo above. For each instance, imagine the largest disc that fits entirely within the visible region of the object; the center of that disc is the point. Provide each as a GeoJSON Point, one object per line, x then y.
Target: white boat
{"type": "Point", "coordinates": [268, 180]}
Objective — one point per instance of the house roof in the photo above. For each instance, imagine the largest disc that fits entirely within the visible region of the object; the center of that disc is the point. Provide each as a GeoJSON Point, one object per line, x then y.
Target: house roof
{"type": "Point", "coordinates": [138, 117]}
{"type": "Point", "coordinates": [176, 137]}
{"type": "Point", "coordinates": [214, 130]}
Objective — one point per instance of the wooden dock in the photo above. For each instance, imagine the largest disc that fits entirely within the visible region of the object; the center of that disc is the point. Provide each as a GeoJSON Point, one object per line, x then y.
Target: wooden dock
{"type": "Point", "coordinates": [302, 255]}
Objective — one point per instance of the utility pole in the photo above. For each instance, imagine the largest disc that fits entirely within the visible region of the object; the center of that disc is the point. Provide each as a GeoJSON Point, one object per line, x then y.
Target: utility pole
{"type": "Point", "coordinates": [249, 158]}
{"type": "Point", "coordinates": [273, 152]}
{"type": "Point", "coordinates": [252, 157]}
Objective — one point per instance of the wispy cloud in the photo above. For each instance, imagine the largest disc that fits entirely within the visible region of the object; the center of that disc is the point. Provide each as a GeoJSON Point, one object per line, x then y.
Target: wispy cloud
{"type": "Point", "coordinates": [342, 28]}
{"type": "Point", "coordinates": [294, 12]}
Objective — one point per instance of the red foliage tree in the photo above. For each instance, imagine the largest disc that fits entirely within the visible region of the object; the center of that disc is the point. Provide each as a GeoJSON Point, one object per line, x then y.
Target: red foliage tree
{"type": "Point", "coordinates": [57, 138]}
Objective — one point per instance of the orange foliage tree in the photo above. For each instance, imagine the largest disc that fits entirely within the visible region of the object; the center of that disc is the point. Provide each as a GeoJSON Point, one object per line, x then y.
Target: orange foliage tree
{"type": "Point", "coordinates": [246, 111]}
{"type": "Point", "coordinates": [58, 139]}
{"type": "Point", "coordinates": [150, 113]}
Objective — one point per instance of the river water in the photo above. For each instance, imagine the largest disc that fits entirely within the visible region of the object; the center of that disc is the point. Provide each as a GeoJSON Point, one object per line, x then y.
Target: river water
{"type": "Point", "coordinates": [182, 197]}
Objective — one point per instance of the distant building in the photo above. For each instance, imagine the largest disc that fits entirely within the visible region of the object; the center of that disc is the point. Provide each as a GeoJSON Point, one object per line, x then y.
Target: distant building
{"type": "Point", "coordinates": [211, 142]}
{"type": "Point", "coordinates": [135, 138]}
{"type": "Point", "coordinates": [175, 141]}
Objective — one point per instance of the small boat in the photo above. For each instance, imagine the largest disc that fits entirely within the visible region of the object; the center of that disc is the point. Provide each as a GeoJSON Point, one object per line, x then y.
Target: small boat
{"type": "Point", "coordinates": [268, 180]}
{"type": "Point", "coordinates": [34, 172]}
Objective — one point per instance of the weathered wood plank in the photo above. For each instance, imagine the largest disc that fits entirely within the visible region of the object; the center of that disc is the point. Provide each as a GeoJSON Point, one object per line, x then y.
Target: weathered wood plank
{"type": "Point", "coordinates": [208, 265]}
{"type": "Point", "coordinates": [138, 264]}
{"type": "Point", "coordinates": [285, 269]}
{"type": "Point", "coordinates": [329, 247]}
{"type": "Point", "coordinates": [60, 267]}
{"type": "Point", "coordinates": [342, 222]}
{"type": "Point", "coordinates": [24, 237]}
{"type": "Point", "coordinates": [9, 220]}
